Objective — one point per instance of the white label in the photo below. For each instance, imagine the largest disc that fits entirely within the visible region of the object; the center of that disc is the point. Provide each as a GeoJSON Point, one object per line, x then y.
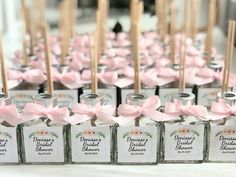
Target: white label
{"type": "Point", "coordinates": [148, 91]}
{"type": "Point", "coordinates": [166, 94]}
{"type": "Point", "coordinates": [21, 97]}
{"type": "Point", "coordinates": [222, 143]}
{"type": "Point", "coordinates": [91, 144]}
{"type": "Point", "coordinates": [43, 144]}
{"type": "Point", "coordinates": [108, 93]}
{"type": "Point", "coordinates": [66, 98]}
{"type": "Point", "coordinates": [184, 142]}
{"type": "Point", "coordinates": [137, 144]}
{"type": "Point", "coordinates": [207, 95]}
{"type": "Point", "coordinates": [8, 145]}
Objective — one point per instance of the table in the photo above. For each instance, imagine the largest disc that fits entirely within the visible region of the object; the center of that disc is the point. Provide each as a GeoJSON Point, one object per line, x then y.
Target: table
{"type": "Point", "coordinates": [161, 170]}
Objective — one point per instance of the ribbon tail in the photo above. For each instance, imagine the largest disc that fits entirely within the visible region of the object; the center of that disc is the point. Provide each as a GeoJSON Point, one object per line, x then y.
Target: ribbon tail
{"type": "Point", "coordinates": [77, 119]}
{"type": "Point", "coordinates": [164, 81]}
{"type": "Point", "coordinates": [11, 115]}
{"type": "Point", "coordinates": [124, 82]}
{"type": "Point", "coordinates": [124, 120]}
{"type": "Point", "coordinates": [159, 116]}
{"type": "Point", "coordinates": [215, 116]}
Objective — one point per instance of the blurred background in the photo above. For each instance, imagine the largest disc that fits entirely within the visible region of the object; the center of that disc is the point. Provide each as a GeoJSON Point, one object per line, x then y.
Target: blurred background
{"type": "Point", "coordinates": [11, 23]}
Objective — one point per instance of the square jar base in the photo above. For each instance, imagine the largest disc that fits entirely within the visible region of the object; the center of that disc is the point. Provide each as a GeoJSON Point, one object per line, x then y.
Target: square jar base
{"type": "Point", "coordinates": [140, 145]}
{"type": "Point", "coordinates": [91, 145]}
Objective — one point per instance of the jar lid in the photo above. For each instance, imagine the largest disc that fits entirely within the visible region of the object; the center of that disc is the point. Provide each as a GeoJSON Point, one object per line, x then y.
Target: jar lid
{"type": "Point", "coordinates": [102, 68]}
{"type": "Point", "coordinates": [92, 99]}
{"type": "Point", "coordinates": [23, 68]}
{"type": "Point", "coordinates": [136, 99]}
{"type": "Point", "coordinates": [61, 67]}
{"type": "Point", "coordinates": [215, 66]}
{"type": "Point", "coordinates": [33, 57]}
{"type": "Point", "coordinates": [46, 100]}
{"type": "Point", "coordinates": [228, 97]}
{"type": "Point", "coordinates": [175, 66]}
{"type": "Point", "coordinates": [185, 97]}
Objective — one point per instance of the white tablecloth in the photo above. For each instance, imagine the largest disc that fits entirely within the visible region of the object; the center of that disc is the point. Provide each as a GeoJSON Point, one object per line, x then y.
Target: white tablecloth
{"type": "Point", "coordinates": [161, 170]}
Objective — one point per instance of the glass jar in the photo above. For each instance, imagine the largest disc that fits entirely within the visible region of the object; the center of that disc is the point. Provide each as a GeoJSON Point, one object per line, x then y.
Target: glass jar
{"type": "Point", "coordinates": [208, 92]}
{"type": "Point", "coordinates": [24, 92]}
{"type": "Point", "coordinates": [183, 141]}
{"type": "Point", "coordinates": [137, 142]}
{"type": "Point", "coordinates": [149, 91]}
{"type": "Point", "coordinates": [222, 134]}
{"type": "Point", "coordinates": [91, 142]}
{"type": "Point", "coordinates": [44, 142]}
{"type": "Point", "coordinates": [65, 97]}
{"type": "Point", "coordinates": [9, 138]}
{"type": "Point", "coordinates": [109, 92]}
{"type": "Point", "coordinates": [167, 91]}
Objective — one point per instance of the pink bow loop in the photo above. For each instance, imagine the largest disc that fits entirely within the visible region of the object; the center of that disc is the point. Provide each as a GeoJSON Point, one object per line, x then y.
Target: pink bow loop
{"type": "Point", "coordinates": [116, 62]}
{"type": "Point", "coordinates": [148, 78]}
{"type": "Point", "coordinates": [148, 109]}
{"type": "Point", "coordinates": [176, 109]}
{"type": "Point", "coordinates": [34, 76]}
{"type": "Point", "coordinates": [70, 79]}
{"type": "Point", "coordinates": [195, 61]}
{"type": "Point", "coordinates": [83, 112]}
{"type": "Point", "coordinates": [108, 78]}
{"type": "Point", "coordinates": [10, 114]}
{"type": "Point", "coordinates": [223, 108]}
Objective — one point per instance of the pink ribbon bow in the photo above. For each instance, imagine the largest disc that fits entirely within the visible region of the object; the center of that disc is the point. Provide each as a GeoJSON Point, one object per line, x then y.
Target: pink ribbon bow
{"type": "Point", "coordinates": [10, 114]}
{"type": "Point", "coordinates": [162, 63]}
{"type": "Point", "coordinates": [34, 76]}
{"type": "Point", "coordinates": [79, 61]}
{"type": "Point", "coordinates": [176, 109]}
{"type": "Point", "coordinates": [169, 75]}
{"type": "Point", "coordinates": [33, 111]}
{"type": "Point", "coordinates": [196, 61]}
{"type": "Point", "coordinates": [83, 112]}
{"type": "Point", "coordinates": [221, 109]}
{"type": "Point", "coordinates": [108, 78]}
{"type": "Point", "coordinates": [156, 49]}
{"type": "Point", "coordinates": [80, 41]}
{"type": "Point", "coordinates": [148, 78]}
{"type": "Point", "coordinates": [207, 75]}
{"type": "Point", "coordinates": [147, 60]}
{"type": "Point", "coordinates": [129, 113]}
{"type": "Point", "coordinates": [115, 62]}
{"type": "Point", "coordinates": [69, 79]}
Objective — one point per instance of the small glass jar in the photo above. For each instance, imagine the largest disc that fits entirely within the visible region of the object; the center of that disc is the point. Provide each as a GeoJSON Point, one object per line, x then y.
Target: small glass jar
{"type": "Point", "coordinates": [149, 91]}
{"type": "Point", "coordinates": [183, 140]}
{"type": "Point", "coordinates": [208, 92]}
{"type": "Point", "coordinates": [44, 142]}
{"type": "Point", "coordinates": [137, 142]}
{"type": "Point", "coordinates": [91, 142]}
{"type": "Point", "coordinates": [65, 97]}
{"type": "Point", "coordinates": [109, 92]}
{"type": "Point", "coordinates": [167, 91]}
{"type": "Point", "coordinates": [222, 134]}
{"type": "Point", "coordinates": [24, 92]}
{"type": "Point", "coordinates": [9, 139]}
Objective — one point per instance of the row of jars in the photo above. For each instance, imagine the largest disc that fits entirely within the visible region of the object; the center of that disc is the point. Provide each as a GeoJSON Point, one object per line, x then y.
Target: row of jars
{"type": "Point", "coordinates": [141, 134]}
{"type": "Point", "coordinates": [68, 91]}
